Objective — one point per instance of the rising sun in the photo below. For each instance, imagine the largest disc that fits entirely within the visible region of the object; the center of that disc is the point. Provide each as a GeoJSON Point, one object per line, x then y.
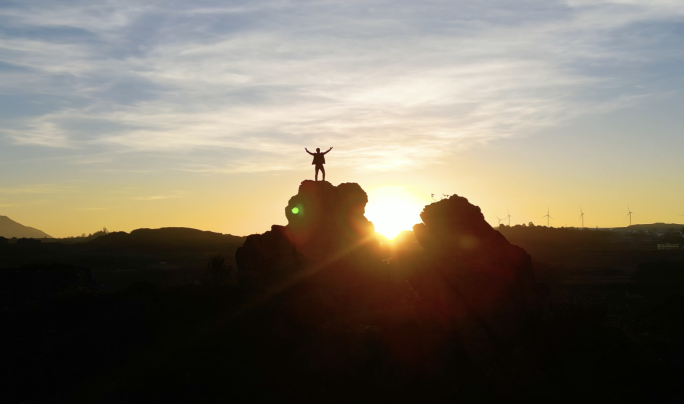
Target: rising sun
{"type": "Point", "coordinates": [393, 210]}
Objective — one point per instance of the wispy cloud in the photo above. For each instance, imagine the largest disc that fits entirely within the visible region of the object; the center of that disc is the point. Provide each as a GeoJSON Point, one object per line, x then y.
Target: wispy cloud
{"type": "Point", "coordinates": [173, 195]}
{"type": "Point", "coordinates": [395, 83]}
{"type": "Point", "coordinates": [37, 189]}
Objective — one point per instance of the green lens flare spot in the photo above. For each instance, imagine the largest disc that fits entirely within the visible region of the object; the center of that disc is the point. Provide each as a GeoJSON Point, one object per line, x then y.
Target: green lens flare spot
{"type": "Point", "coordinates": [295, 210]}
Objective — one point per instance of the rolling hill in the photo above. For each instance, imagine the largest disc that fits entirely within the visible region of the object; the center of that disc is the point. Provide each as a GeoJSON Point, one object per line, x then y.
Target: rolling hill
{"type": "Point", "coordinates": [178, 239]}
{"type": "Point", "coordinates": [656, 227]}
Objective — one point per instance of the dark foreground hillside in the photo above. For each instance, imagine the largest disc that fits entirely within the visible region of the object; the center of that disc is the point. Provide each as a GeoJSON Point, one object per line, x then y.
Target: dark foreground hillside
{"type": "Point", "coordinates": [198, 342]}
{"type": "Point", "coordinates": [164, 256]}
{"type": "Point", "coordinates": [319, 312]}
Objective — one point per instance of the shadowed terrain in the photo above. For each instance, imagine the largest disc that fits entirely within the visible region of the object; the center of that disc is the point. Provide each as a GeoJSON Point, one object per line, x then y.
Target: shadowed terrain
{"type": "Point", "coordinates": [165, 256]}
{"type": "Point", "coordinates": [320, 310]}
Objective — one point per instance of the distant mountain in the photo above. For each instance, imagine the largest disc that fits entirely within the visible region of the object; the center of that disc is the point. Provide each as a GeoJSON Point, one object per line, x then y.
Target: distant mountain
{"type": "Point", "coordinates": [9, 228]}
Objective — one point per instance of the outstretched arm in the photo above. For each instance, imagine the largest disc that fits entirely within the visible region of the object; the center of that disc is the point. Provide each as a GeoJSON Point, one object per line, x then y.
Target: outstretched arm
{"type": "Point", "coordinates": [307, 150]}
{"type": "Point", "coordinates": [328, 150]}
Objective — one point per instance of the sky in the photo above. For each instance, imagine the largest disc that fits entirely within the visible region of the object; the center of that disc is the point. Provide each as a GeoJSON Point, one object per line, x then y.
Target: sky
{"type": "Point", "coordinates": [130, 114]}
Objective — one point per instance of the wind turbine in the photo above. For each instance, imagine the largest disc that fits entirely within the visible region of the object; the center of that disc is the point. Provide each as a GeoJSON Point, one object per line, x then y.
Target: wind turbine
{"type": "Point", "coordinates": [508, 217]}
{"type": "Point", "coordinates": [581, 216]}
{"type": "Point", "coordinates": [500, 219]}
{"type": "Point", "coordinates": [548, 217]}
{"type": "Point", "coordinates": [629, 214]}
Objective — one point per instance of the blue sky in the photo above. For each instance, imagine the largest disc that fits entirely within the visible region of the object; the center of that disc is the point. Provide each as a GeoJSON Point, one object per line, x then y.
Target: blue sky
{"type": "Point", "coordinates": [151, 99]}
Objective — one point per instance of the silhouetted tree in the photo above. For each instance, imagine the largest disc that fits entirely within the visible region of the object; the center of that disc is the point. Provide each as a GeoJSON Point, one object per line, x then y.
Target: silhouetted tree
{"type": "Point", "coordinates": [217, 271]}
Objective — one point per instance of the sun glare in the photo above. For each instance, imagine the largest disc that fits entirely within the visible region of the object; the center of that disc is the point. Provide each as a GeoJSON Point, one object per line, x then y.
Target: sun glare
{"type": "Point", "coordinates": [393, 210]}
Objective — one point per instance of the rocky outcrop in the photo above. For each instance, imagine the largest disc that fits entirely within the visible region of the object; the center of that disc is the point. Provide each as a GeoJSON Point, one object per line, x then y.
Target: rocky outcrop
{"type": "Point", "coordinates": [272, 250]}
{"type": "Point", "coordinates": [469, 281]}
{"type": "Point", "coordinates": [326, 224]}
{"type": "Point", "coordinates": [475, 279]}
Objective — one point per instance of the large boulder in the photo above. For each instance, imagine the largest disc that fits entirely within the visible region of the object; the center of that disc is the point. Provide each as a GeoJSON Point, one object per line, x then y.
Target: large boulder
{"type": "Point", "coordinates": [473, 278]}
{"type": "Point", "coordinates": [326, 224]}
{"type": "Point", "coordinates": [272, 250]}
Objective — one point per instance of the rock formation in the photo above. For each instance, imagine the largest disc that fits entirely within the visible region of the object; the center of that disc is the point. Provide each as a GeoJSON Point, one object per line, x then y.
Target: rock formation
{"type": "Point", "coordinates": [469, 284]}
{"type": "Point", "coordinates": [326, 224]}
{"type": "Point", "coordinates": [473, 277]}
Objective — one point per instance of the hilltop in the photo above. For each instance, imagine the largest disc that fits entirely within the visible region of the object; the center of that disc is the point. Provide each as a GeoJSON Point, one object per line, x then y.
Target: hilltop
{"type": "Point", "coordinates": [167, 238]}
{"type": "Point", "coordinates": [654, 227]}
{"type": "Point", "coordinates": [9, 228]}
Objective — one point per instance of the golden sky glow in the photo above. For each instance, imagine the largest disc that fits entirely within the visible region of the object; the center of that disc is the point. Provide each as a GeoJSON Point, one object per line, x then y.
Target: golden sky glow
{"type": "Point", "coordinates": [125, 115]}
{"type": "Point", "coordinates": [394, 209]}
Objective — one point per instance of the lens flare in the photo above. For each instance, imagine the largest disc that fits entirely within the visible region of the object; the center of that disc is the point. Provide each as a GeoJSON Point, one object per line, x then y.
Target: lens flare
{"type": "Point", "coordinates": [393, 210]}
{"type": "Point", "coordinates": [295, 210]}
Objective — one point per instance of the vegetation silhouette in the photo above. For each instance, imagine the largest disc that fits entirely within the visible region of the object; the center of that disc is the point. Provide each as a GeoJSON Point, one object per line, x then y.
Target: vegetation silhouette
{"type": "Point", "coordinates": [218, 271]}
{"type": "Point", "coordinates": [319, 160]}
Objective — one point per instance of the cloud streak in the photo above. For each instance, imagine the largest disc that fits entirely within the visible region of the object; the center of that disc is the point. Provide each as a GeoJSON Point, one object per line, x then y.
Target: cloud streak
{"type": "Point", "coordinates": [397, 84]}
{"type": "Point", "coordinates": [158, 197]}
{"type": "Point", "coordinates": [37, 189]}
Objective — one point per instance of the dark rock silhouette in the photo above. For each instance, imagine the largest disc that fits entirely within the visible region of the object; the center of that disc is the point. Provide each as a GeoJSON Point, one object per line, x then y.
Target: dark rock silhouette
{"type": "Point", "coordinates": [272, 250]}
{"type": "Point", "coordinates": [473, 277]}
{"type": "Point", "coordinates": [469, 286]}
{"type": "Point", "coordinates": [469, 276]}
{"type": "Point", "coordinates": [325, 224]}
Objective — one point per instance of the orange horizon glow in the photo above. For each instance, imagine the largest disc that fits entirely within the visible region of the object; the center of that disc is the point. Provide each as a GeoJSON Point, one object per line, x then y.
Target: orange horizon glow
{"type": "Point", "coordinates": [393, 209]}
{"type": "Point", "coordinates": [522, 111]}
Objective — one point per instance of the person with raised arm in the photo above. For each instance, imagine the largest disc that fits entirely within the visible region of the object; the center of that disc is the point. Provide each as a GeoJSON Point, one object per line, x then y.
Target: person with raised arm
{"type": "Point", "coordinates": [319, 160]}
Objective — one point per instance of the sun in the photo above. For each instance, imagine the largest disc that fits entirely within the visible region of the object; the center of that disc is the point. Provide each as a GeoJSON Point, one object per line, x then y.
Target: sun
{"type": "Point", "coordinates": [393, 210]}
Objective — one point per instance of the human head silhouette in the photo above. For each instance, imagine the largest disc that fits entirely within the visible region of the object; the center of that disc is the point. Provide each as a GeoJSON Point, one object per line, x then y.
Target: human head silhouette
{"type": "Point", "coordinates": [318, 149]}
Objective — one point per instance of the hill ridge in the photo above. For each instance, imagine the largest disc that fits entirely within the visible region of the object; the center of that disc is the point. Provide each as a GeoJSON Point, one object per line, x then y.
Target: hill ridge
{"type": "Point", "coordinates": [9, 229]}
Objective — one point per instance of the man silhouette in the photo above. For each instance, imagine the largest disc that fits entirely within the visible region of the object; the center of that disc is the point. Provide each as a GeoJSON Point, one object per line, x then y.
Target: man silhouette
{"type": "Point", "coordinates": [319, 160]}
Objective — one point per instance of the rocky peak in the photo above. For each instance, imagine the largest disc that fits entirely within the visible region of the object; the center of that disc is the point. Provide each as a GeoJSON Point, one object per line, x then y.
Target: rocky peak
{"type": "Point", "coordinates": [476, 277]}
{"type": "Point", "coordinates": [325, 223]}
{"type": "Point", "coordinates": [456, 227]}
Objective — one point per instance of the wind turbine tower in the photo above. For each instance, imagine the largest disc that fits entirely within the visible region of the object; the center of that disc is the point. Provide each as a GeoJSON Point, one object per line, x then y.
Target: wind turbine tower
{"type": "Point", "coordinates": [548, 217]}
{"type": "Point", "coordinates": [508, 217]}
{"type": "Point", "coordinates": [629, 214]}
{"type": "Point", "coordinates": [582, 216]}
